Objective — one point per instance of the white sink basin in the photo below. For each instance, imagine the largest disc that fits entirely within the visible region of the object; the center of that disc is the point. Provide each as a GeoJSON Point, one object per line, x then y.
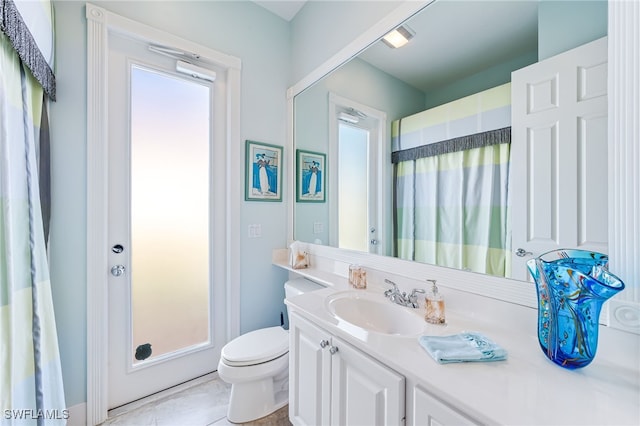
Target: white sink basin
{"type": "Point", "coordinates": [375, 313]}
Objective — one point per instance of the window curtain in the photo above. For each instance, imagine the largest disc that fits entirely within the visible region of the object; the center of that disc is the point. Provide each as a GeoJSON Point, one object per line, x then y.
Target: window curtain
{"type": "Point", "coordinates": [31, 388]}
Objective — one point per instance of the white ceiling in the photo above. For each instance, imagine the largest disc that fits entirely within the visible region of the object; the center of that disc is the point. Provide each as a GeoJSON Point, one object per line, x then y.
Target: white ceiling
{"type": "Point", "coordinates": [454, 39]}
{"type": "Point", "coordinates": [285, 9]}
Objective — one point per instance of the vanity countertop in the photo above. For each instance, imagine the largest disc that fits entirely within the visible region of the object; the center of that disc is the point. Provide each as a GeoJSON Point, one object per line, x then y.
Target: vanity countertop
{"type": "Point", "coordinates": [527, 388]}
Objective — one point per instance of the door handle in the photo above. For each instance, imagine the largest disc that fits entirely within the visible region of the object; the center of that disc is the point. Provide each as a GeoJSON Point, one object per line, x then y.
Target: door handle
{"type": "Point", "coordinates": [117, 270]}
{"type": "Point", "coordinates": [522, 252]}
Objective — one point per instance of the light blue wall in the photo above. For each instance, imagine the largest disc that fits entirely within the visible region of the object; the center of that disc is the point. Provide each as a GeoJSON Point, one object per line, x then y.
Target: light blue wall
{"type": "Point", "coordinates": [486, 79]}
{"type": "Point", "coordinates": [563, 25]}
{"type": "Point", "coordinates": [240, 28]}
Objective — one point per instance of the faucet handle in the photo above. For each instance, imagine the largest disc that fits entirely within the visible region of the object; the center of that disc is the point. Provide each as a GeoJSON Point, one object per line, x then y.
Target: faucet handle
{"type": "Point", "coordinates": [392, 290]}
{"type": "Point", "coordinates": [388, 281]}
{"type": "Point", "coordinates": [415, 291]}
{"type": "Point", "coordinates": [413, 297]}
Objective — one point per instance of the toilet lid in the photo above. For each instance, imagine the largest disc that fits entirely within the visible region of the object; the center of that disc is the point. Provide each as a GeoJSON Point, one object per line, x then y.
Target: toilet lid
{"type": "Point", "coordinates": [256, 347]}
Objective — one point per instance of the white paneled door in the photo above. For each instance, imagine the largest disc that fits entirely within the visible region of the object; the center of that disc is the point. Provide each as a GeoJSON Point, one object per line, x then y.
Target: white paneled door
{"type": "Point", "coordinates": [166, 309]}
{"type": "Point", "coordinates": [559, 192]}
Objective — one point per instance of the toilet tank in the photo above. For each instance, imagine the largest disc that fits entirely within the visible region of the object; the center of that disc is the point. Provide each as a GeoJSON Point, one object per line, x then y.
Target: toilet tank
{"type": "Point", "coordinates": [293, 288]}
{"type": "Point", "coordinates": [298, 286]}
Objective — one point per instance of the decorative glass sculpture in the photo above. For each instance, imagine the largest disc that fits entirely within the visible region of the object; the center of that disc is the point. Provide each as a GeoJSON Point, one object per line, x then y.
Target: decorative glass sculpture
{"type": "Point", "coordinates": [572, 286]}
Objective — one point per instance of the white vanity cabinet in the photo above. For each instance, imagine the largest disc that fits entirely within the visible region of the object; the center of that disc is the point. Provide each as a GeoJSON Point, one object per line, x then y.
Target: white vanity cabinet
{"type": "Point", "coordinates": [425, 410]}
{"type": "Point", "coordinates": [332, 383]}
{"type": "Point", "coordinates": [379, 378]}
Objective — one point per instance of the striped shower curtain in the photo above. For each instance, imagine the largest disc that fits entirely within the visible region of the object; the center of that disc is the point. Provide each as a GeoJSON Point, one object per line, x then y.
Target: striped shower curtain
{"type": "Point", "coordinates": [451, 209]}
{"type": "Point", "coordinates": [451, 167]}
{"type": "Point", "coordinates": [31, 390]}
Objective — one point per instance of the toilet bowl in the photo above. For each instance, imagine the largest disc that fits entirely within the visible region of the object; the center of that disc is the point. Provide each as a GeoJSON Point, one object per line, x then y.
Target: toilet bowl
{"type": "Point", "coordinates": [256, 365]}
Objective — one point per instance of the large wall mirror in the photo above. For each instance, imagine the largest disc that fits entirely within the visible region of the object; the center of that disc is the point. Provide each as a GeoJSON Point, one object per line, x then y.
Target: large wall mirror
{"type": "Point", "coordinates": [458, 48]}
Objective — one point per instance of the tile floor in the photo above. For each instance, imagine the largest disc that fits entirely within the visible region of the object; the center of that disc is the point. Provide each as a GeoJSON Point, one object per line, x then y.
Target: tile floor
{"type": "Point", "coordinates": [202, 402]}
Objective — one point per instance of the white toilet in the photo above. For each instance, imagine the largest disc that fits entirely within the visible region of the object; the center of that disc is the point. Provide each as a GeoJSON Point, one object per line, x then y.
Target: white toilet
{"type": "Point", "coordinates": [256, 365]}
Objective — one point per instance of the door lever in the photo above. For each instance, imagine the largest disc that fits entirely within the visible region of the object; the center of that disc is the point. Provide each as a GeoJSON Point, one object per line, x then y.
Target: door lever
{"type": "Point", "coordinates": [117, 270]}
{"type": "Point", "coordinates": [522, 252]}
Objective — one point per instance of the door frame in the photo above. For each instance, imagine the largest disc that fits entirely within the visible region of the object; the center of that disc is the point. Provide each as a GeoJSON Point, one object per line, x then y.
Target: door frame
{"type": "Point", "coordinates": [100, 23]}
{"type": "Point", "coordinates": [336, 104]}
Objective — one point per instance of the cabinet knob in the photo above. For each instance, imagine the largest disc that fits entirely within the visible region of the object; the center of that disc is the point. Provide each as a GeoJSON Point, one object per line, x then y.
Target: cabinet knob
{"type": "Point", "coordinates": [324, 343]}
{"type": "Point", "coordinates": [333, 350]}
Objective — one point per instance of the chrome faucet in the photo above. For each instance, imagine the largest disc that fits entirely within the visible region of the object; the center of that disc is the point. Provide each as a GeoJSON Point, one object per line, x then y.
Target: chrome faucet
{"type": "Point", "coordinates": [394, 294]}
{"type": "Point", "coordinates": [401, 298]}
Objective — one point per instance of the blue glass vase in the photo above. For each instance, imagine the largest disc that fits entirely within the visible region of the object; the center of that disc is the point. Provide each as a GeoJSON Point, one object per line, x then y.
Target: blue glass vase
{"type": "Point", "coordinates": [572, 285]}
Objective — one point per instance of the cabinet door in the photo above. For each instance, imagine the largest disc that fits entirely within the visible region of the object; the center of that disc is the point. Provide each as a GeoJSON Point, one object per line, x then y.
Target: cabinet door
{"type": "Point", "coordinates": [309, 373]}
{"type": "Point", "coordinates": [363, 391]}
{"type": "Point", "coordinates": [428, 411]}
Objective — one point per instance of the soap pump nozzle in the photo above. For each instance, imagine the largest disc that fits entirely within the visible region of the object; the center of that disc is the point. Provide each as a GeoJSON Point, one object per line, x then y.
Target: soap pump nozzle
{"type": "Point", "coordinates": [434, 287]}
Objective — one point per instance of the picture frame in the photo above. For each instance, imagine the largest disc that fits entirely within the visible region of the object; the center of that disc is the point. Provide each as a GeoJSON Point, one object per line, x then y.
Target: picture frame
{"type": "Point", "coordinates": [311, 177]}
{"type": "Point", "coordinates": [263, 177]}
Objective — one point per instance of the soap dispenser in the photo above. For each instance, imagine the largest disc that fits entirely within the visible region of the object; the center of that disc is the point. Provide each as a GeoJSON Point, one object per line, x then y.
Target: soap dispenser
{"type": "Point", "coordinates": [435, 305]}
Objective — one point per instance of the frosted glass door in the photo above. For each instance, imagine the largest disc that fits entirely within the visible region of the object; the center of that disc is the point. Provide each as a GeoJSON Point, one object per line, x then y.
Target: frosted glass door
{"type": "Point", "coordinates": [169, 213]}
{"type": "Point", "coordinates": [353, 169]}
{"type": "Point", "coordinates": [167, 300]}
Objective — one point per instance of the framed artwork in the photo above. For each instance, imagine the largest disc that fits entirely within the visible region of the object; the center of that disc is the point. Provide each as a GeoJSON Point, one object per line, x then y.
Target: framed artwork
{"type": "Point", "coordinates": [263, 172]}
{"type": "Point", "coordinates": [310, 177]}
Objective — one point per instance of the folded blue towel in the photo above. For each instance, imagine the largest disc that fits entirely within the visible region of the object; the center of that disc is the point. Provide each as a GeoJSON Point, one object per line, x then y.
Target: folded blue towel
{"type": "Point", "coordinates": [462, 347]}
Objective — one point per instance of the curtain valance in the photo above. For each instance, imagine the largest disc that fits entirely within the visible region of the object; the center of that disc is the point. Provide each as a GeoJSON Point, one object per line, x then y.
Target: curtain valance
{"type": "Point", "coordinates": [462, 143]}
{"type": "Point", "coordinates": [475, 121]}
{"type": "Point", "coordinates": [29, 27]}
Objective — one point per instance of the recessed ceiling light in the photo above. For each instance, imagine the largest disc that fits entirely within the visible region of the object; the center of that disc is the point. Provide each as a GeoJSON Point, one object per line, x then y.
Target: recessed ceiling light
{"type": "Point", "coordinates": [398, 37]}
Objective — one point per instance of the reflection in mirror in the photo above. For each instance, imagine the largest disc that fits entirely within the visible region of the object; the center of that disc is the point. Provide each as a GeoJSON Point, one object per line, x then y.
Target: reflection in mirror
{"type": "Point", "coordinates": [356, 152]}
{"type": "Point", "coordinates": [353, 177]}
{"type": "Point", "coordinates": [460, 48]}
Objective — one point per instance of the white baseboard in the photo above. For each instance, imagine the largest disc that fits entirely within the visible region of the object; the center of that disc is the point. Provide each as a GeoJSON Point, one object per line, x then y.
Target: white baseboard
{"type": "Point", "coordinates": [77, 415]}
